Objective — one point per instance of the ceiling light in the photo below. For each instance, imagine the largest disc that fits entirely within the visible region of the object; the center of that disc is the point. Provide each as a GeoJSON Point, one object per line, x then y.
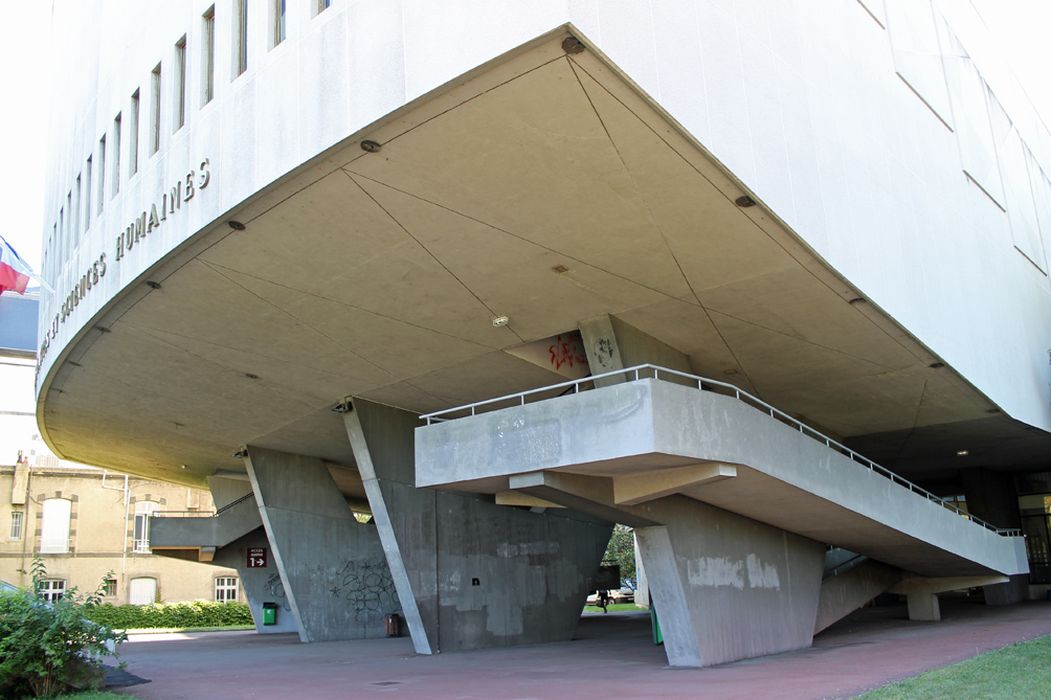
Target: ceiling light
{"type": "Point", "coordinates": [744, 201]}
{"type": "Point", "coordinates": [235, 225]}
{"type": "Point", "coordinates": [370, 146]}
{"type": "Point", "coordinates": [936, 365]}
{"type": "Point", "coordinates": [962, 453]}
{"type": "Point", "coordinates": [500, 321]}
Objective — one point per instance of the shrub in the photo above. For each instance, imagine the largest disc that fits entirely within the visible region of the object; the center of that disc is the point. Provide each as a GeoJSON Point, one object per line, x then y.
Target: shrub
{"type": "Point", "coordinates": [194, 614]}
{"type": "Point", "coordinates": [48, 648]}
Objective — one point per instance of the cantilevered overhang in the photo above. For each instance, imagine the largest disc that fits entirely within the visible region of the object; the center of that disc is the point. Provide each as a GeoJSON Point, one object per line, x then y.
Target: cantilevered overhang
{"type": "Point", "coordinates": [542, 186]}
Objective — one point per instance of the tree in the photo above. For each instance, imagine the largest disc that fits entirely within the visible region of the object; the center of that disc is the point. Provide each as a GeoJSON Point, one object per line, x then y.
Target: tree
{"type": "Point", "coordinates": [621, 550]}
{"type": "Point", "coordinates": [50, 647]}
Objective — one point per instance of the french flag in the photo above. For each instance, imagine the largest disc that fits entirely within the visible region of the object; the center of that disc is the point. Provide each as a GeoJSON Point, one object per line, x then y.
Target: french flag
{"type": "Point", "coordinates": [14, 273]}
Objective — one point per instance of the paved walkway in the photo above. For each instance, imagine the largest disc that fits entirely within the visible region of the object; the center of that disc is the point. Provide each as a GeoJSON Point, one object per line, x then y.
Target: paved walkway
{"type": "Point", "coordinates": [612, 658]}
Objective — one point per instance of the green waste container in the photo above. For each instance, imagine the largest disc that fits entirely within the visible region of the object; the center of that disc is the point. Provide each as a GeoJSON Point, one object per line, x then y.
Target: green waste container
{"type": "Point", "coordinates": [269, 613]}
{"type": "Point", "coordinates": [655, 626]}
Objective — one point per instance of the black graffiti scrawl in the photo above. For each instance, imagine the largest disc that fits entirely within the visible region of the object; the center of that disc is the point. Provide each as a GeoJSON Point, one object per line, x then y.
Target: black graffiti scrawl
{"type": "Point", "coordinates": [367, 585]}
{"type": "Point", "coordinates": [276, 589]}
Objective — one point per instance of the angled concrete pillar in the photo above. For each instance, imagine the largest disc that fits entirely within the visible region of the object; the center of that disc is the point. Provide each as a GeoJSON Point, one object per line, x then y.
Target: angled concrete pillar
{"type": "Point", "coordinates": [331, 569]}
{"type": "Point", "coordinates": [613, 344]}
{"type": "Point", "coordinates": [470, 573]}
{"type": "Point", "coordinates": [727, 587]}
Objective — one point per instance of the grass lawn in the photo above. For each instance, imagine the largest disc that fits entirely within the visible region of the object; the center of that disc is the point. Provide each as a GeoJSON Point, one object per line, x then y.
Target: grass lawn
{"type": "Point", "coordinates": [92, 695]}
{"type": "Point", "coordinates": [613, 607]}
{"type": "Point", "coordinates": [1022, 670]}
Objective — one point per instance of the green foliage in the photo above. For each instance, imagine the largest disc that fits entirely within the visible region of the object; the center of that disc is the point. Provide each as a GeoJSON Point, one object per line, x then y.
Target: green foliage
{"type": "Point", "coordinates": [48, 648]}
{"type": "Point", "coordinates": [1021, 670]}
{"type": "Point", "coordinates": [195, 614]}
{"type": "Point", "coordinates": [621, 551]}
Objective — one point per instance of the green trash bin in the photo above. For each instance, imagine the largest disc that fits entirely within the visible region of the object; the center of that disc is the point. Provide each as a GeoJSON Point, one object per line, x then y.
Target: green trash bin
{"type": "Point", "coordinates": [269, 613]}
{"type": "Point", "coordinates": [655, 626]}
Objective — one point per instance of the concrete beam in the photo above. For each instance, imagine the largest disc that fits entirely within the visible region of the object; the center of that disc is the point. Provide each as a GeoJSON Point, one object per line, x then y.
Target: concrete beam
{"type": "Point", "coordinates": [921, 593]}
{"type": "Point", "coordinates": [513, 498]}
{"type": "Point", "coordinates": [587, 494]}
{"type": "Point", "coordinates": [632, 489]}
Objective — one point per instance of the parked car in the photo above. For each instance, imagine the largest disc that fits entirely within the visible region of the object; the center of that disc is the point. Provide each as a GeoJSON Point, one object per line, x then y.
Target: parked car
{"type": "Point", "coordinates": [624, 594]}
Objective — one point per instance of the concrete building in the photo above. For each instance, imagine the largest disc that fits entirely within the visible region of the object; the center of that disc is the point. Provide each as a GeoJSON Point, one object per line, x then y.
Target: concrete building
{"type": "Point", "coordinates": [89, 527]}
{"type": "Point", "coordinates": [301, 247]}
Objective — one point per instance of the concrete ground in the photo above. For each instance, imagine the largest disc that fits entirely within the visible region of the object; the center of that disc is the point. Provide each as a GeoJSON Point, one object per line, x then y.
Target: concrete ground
{"type": "Point", "coordinates": [613, 657]}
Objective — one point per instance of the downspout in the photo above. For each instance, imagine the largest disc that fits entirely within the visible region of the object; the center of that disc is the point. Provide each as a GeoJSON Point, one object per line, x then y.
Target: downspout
{"type": "Point", "coordinates": [124, 533]}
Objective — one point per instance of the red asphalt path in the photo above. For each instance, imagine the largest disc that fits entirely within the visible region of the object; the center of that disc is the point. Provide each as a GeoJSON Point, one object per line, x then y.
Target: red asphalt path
{"type": "Point", "coordinates": [612, 658]}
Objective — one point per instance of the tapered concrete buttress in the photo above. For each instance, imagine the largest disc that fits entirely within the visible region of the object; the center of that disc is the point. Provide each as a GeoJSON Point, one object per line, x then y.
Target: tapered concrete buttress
{"type": "Point", "coordinates": [260, 584]}
{"type": "Point", "coordinates": [726, 587]}
{"type": "Point", "coordinates": [470, 573]}
{"type": "Point", "coordinates": [331, 567]}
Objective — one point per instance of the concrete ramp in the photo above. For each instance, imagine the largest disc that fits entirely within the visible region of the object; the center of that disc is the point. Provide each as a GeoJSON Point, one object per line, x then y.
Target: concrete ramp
{"type": "Point", "coordinates": [734, 504]}
{"type": "Point", "coordinates": [647, 439]}
{"type": "Point", "coordinates": [205, 535]}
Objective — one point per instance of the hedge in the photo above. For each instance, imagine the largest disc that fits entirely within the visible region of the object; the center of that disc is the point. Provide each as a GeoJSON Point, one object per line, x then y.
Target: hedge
{"type": "Point", "coordinates": [194, 614]}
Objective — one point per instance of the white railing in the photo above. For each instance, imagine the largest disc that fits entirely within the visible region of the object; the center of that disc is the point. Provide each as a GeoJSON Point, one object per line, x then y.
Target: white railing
{"type": "Point", "coordinates": [648, 371]}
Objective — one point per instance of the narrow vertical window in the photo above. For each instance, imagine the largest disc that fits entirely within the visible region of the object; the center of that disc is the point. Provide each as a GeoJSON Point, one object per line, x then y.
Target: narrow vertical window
{"type": "Point", "coordinates": [180, 84]}
{"type": "Point", "coordinates": [240, 42]}
{"type": "Point", "coordinates": [143, 511]}
{"type": "Point", "coordinates": [75, 211]}
{"type": "Point", "coordinates": [54, 529]}
{"type": "Point", "coordinates": [87, 194]}
{"type": "Point", "coordinates": [278, 28]}
{"type": "Point", "coordinates": [321, 5]}
{"type": "Point", "coordinates": [115, 179]}
{"type": "Point", "coordinates": [60, 241]}
{"type": "Point", "coordinates": [155, 112]}
{"type": "Point", "coordinates": [208, 56]}
{"type": "Point", "coordinates": [100, 202]}
{"type": "Point", "coordinates": [16, 525]}
{"type": "Point", "coordinates": [133, 136]}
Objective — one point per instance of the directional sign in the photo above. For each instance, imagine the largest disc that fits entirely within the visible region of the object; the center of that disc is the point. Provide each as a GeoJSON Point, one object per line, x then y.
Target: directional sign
{"type": "Point", "coordinates": [257, 557]}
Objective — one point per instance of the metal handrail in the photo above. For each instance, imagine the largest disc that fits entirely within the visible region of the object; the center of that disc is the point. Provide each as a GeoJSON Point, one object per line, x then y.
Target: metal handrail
{"type": "Point", "coordinates": [202, 513]}
{"type": "Point", "coordinates": [755, 402]}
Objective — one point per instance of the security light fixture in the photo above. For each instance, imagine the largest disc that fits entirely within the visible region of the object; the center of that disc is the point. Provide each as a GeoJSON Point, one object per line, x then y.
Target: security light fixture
{"type": "Point", "coordinates": [744, 201]}
{"type": "Point", "coordinates": [235, 225]}
{"type": "Point", "coordinates": [370, 146]}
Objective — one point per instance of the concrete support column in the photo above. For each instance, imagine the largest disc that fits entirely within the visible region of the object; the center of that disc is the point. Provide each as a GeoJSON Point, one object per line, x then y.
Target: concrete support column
{"type": "Point", "coordinates": [923, 606]}
{"type": "Point", "coordinates": [727, 587]}
{"type": "Point", "coordinates": [992, 496]}
{"type": "Point", "coordinates": [612, 344]}
{"type": "Point", "coordinates": [332, 571]}
{"type": "Point", "coordinates": [262, 584]}
{"type": "Point", "coordinates": [470, 573]}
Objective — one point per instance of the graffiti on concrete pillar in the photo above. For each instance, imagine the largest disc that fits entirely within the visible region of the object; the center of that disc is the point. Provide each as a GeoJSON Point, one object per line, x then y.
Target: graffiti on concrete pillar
{"type": "Point", "coordinates": [276, 589]}
{"type": "Point", "coordinates": [367, 585]}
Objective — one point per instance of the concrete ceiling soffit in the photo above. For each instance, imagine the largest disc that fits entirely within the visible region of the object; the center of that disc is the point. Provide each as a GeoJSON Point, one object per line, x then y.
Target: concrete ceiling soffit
{"type": "Point", "coordinates": [530, 158]}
